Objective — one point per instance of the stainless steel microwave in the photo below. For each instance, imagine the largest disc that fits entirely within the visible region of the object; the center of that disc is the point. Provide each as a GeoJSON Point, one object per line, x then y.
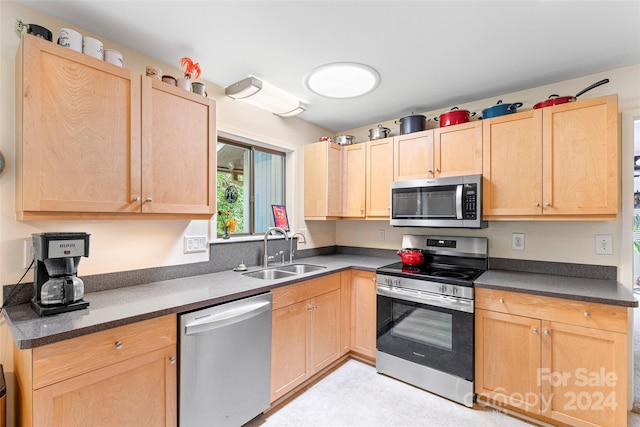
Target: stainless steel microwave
{"type": "Point", "coordinates": [452, 202]}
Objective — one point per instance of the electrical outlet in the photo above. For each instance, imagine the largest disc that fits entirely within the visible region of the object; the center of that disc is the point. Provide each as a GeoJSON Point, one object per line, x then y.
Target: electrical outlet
{"type": "Point", "coordinates": [604, 244]}
{"type": "Point", "coordinates": [28, 253]}
{"type": "Point", "coordinates": [381, 235]}
{"type": "Point", "coordinates": [194, 244]}
{"type": "Point", "coordinates": [517, 241]}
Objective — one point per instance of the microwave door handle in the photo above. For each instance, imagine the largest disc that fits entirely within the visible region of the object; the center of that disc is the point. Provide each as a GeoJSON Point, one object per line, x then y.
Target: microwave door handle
{"type": "Point", "coordinates": [459, 201]}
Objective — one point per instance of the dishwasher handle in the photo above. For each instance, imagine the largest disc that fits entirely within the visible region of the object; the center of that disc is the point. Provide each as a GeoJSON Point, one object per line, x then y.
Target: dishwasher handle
{"type": "Point", "coordinates": [226, 316]}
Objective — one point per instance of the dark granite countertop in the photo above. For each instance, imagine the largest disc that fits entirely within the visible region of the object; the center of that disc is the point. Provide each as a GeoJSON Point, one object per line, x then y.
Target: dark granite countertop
{"type": "Point", "coordinates": [575, 288]}
{"type": "Point", "coordinates": [117, 307]}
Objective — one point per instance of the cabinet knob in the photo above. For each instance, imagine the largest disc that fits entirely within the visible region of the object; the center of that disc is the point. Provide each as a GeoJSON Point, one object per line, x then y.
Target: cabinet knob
{"type": "Point", "coordinates": [361, 209]}
{"type": "Point", "coordinates": [546, 332]}
{"type": "Point", "coordinates": [373, 279]}
{"type": "Point", "coordinates": [536, 204]}
{"type": "Point", "coordinates": [136, 199]}
{"type": "Point", "coordinates": [535, 330]}
{"type": "Point", "coordinates": [148, 200]}
{"type": "Point", "coordinates": [430, 170]}
{"type": "Point", "coordinates": [118, 345]}
{"type": "Point", "coordinates": [438, 170]}
{"type": "Point", "coordinates": [586, 314]}
{"type": "Point", "coordinates": [547, 204]}
{"type": "Point", "coordinates": [172, 360]}
{"type": "Point", "coordinates": [501, 301]}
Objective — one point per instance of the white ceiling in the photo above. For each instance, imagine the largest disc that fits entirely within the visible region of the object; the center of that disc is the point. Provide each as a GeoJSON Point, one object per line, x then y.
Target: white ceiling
{"type": "Point", "coordinates": [430, 54]}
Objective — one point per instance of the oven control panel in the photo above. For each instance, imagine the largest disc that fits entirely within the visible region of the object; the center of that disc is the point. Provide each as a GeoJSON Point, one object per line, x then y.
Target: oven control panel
{"type": "Point", "coordinates": [417, 285]}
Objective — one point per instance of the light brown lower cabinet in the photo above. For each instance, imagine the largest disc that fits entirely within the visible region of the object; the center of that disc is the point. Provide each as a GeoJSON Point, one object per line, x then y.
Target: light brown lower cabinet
{"type": "Point", "coordinates": [363, 313]}
{"type": "Point", "coordinates": [305, 331]}
{"type": "Point", "coordinates": [126, 376]}
{"type": "Point", "coordinates": [559, 360]}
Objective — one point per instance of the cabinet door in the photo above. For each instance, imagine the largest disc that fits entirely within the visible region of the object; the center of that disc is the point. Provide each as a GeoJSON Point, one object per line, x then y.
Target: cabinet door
{"type": "Point", "coordinates": [288, 349]}
{"type": "Point", "coordinates": [322, 180]}
{"type": "Point", "coordinates": [345, 312]}
{"type": "Point", "coordinates": [178, 150]}
{"type": "Point", "coordinates": [324, 330]}
{"type": "Point", "coordinates": [584, 375]}
{"type": "Point", "coordinates": [379, 177]}
{"type": "Point", "coordinates": [458, 150]}
{"type": "Point", "coordinates": [413, 156]}
{"type": "Point", "coordinates": [507, 359]}
{"type": "Point", "coordinates": [580, 158]}
{"type": "Point", "coordinates": [77, 132]}
{"type": "Point", "coordinates": [135, 392]}
{"type": "Point", "coordinates": [353, 180]}
{"type": "Point", "coordinates": [512, 161]}
{"type": "Point", "coordinates": [363, 315]}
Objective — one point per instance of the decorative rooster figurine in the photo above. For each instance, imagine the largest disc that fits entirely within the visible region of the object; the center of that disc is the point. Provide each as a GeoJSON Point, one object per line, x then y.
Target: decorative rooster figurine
{"type": "Point", "coordinates": [191, 69]}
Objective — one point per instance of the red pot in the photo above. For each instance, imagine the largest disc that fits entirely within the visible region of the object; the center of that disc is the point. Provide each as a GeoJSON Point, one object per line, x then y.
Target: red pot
{"type": "Point", "coordinates": [454, 117]}
{"type": "Point", "coordinates": [411, 257]}
{"type": "Point", "coordinates": [556, 100]}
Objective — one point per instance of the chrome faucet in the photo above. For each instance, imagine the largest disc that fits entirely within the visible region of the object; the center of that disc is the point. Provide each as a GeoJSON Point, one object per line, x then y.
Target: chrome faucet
{"type": "Point", "coordinates": [304, 240]}
{"type": "Point", "coordinates": [266, 235]}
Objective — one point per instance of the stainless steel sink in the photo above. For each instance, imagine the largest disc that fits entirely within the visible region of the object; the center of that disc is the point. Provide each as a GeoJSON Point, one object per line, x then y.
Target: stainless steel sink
{"type": "Point", "coordinates": [269, 274]}
{"type": "Point", "coordinates": [283, 271]}
{"type": "Point", "coordinates": [300, 268]}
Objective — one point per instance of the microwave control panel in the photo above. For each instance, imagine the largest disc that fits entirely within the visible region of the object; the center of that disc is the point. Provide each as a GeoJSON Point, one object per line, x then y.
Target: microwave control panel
{"type": "Point", "coordinates": [470, 201]}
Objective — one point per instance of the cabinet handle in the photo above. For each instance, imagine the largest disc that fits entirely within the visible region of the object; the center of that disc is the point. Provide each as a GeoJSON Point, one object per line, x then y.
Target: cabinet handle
{"type": "Point", "coordinates": [118, 345]}
{"type": "Point", "coordinates": [546, 332]}
{"type": "Point", "coordinates": [535, 330]}
{"type": "Point", "coordinates": [148, 200]}
{"type": "Point", "coordinates": [501, 301]}
{"type": "Point", "coordinates": [136, 199]}
{"type": "Point", "coordinates": [586, 314]}
{"type": "Point", "coordinates": [172, 360]}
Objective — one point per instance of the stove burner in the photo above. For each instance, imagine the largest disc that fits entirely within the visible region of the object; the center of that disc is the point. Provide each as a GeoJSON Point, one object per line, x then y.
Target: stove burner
{"type": "Point", "coordinates": [453, 274]}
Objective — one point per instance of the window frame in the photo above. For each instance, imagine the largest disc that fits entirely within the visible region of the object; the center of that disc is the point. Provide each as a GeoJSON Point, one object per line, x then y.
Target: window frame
{"type": "Point", "coordinates": [252, 148]}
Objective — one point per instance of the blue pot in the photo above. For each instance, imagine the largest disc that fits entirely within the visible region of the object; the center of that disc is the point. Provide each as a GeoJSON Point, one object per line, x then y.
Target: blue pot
{"type": "Point", "coordinates": [500, 109]}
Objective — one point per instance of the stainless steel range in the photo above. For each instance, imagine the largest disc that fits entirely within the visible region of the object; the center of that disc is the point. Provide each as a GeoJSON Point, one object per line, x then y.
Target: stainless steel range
{"type": "Point", "coordinates": [425, 315]}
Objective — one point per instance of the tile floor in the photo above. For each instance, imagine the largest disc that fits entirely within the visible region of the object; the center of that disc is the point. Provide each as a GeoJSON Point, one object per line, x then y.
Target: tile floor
{"type": "Point", "coordinates": [355, 395]}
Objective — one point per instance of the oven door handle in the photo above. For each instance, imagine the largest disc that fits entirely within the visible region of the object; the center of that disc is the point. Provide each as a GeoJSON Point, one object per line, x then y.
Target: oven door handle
{"type": "Point", "coordinates": [441, 301]}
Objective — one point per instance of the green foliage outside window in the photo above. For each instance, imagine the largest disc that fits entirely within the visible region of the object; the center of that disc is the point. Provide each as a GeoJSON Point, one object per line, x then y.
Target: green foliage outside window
{"type": "Point", "coordinates": [236, 209]}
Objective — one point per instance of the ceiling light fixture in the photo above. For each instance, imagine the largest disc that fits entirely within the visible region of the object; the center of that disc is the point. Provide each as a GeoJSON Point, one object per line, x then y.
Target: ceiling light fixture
{"type": "Point", "coordinates": [342, 80]}
{"type": "Point", "coordinates": [261, 94]}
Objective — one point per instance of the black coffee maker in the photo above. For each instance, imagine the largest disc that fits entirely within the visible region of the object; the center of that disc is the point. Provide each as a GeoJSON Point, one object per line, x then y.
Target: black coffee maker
{"type": "Point", "coordinates": [56, 286]}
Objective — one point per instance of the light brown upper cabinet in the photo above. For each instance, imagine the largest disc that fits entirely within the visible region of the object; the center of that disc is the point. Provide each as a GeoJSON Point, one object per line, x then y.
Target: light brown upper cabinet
{"type": "Point", "coordinates": [413, 156]}
{"type": "Point", "coordinates": [379, 178]}
{"type": "Point", "coordinates": [353, 180]}
{"type": "Point", "coordinates": [554, 163]}
{"type": "Point", "coordinates": [322, 180]}
{"type": "Point", "coordinates": [449, 151]}
{"type": "Point", "coordinates": [94, 140]}
{"type": "Point", "coordinates": [457, 150]}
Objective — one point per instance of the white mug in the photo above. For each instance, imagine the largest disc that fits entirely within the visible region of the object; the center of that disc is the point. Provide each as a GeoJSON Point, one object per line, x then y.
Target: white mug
{"type": "Point", "coordinates": [71, 39]}
{"type": "Point", "coordinates": [114, 57]}
{"type": "Point", "coordinates": [184, 83]}
{"type": "Point", "coordinates": [92, 47]}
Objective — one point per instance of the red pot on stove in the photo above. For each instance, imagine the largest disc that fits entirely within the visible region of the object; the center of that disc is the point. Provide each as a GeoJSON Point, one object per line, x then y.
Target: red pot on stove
{"type": "Point", "coordinates": [411, 257]}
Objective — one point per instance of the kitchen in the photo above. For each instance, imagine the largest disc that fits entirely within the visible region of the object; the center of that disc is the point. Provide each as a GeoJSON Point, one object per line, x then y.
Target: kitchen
{"type": "Point", "coordinates": [152, 244]}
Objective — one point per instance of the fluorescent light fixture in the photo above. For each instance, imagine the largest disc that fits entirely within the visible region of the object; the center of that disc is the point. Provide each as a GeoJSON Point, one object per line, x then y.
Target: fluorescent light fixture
{"type": "Point", "coordinates": [342, 80]}
{"type": "Point", "coordinates": [256, 92]}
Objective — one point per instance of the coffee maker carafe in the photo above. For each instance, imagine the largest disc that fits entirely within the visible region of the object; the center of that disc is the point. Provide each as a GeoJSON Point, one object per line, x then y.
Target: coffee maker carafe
{"type": "Point", "coordinates": [56, 286]}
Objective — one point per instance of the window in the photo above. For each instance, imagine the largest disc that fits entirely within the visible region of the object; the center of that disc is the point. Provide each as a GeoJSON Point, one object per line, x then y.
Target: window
{"type": "Point", "coordinates": [249, 180]}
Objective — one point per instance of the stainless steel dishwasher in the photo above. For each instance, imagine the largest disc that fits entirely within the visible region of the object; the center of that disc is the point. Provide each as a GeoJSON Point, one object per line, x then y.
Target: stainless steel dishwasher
{"type": "Point", "coordinates": [225, 363]}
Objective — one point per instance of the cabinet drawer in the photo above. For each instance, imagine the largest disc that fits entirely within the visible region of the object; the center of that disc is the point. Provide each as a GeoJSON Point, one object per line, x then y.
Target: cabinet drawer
{"type": "Point", "coordinates": [65, 359]}
{"type": "Point", "coordinates": [588, 314]}
{"type": "Point", "coordinates": [292, 294]}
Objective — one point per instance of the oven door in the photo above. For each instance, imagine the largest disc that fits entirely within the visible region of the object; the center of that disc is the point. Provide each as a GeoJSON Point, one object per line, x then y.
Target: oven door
{"type": "Point", "coordinates": [430, 333]}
